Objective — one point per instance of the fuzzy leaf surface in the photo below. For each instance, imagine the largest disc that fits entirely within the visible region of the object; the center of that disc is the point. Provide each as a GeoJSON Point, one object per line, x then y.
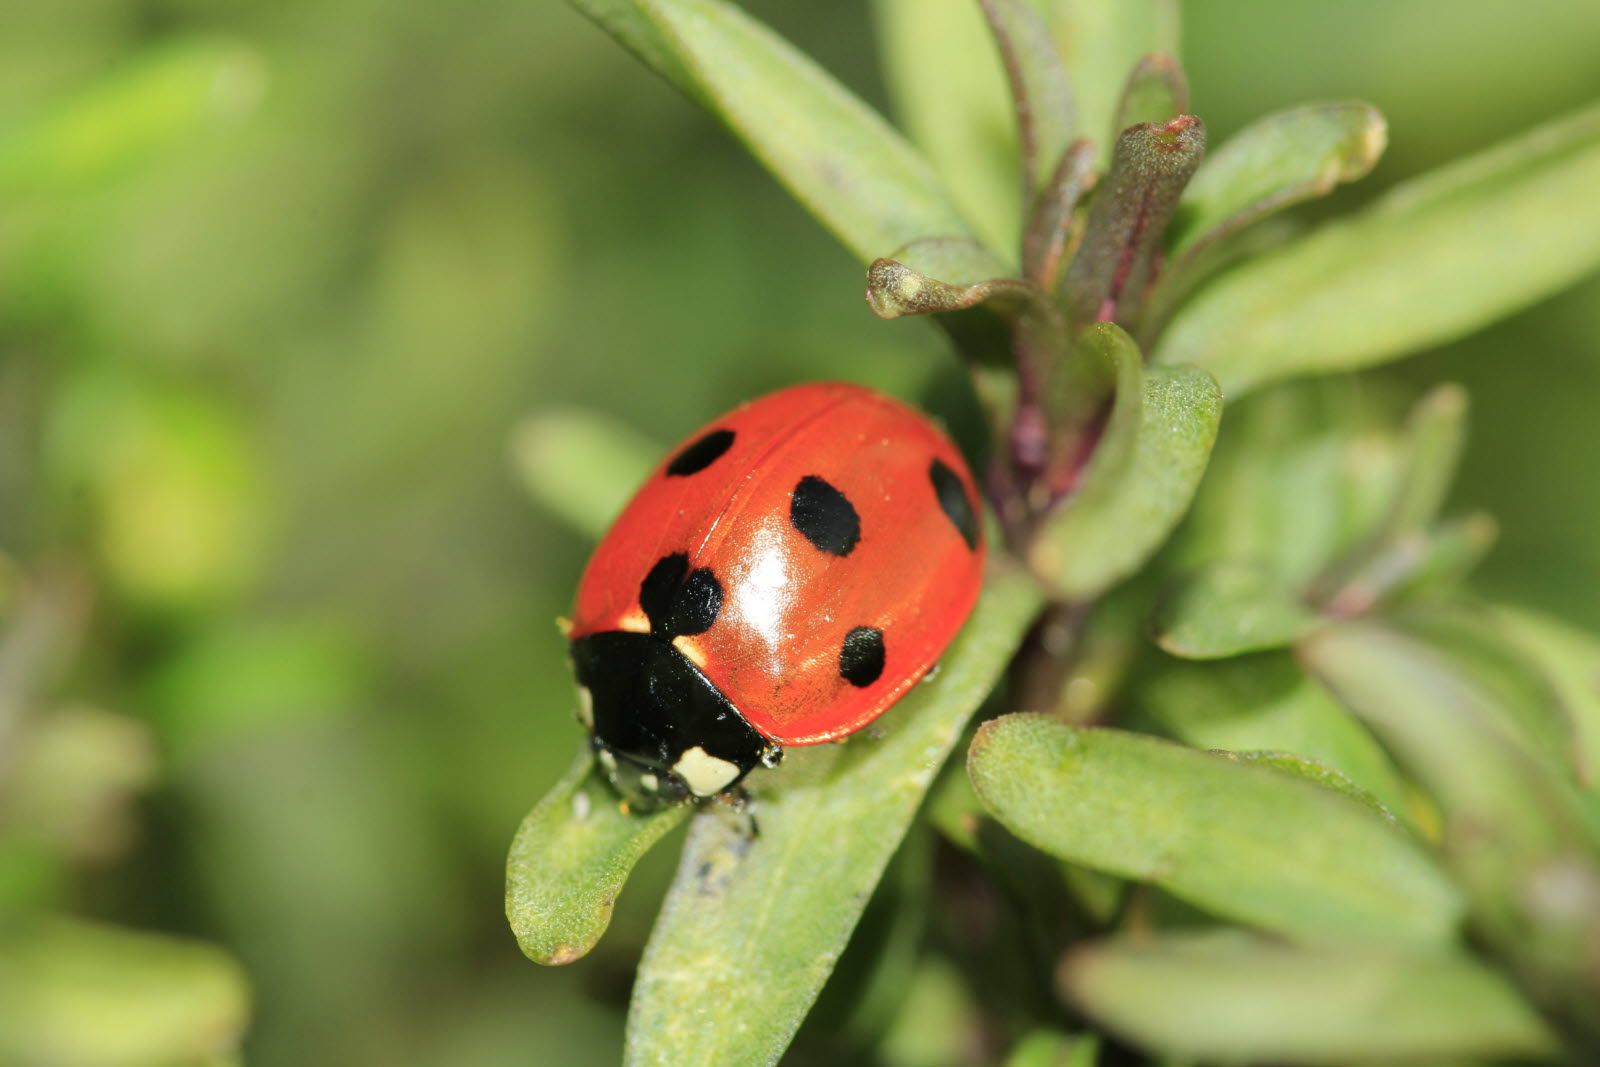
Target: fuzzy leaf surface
{"type": "Point", "coordinates": [1266, 703]}
{"type": "Point", "coordinates": [752, 927]}
{"type": "Point", "coordinates": [1223, 998]}
{"type": "Point", "coordinates": [1246, 842]}
{"type": "Point", "coordinates": [1436, 258]}
{"type": "Point", "coordinates": [1138, 486]}
{"type": "Point", "coordinates": [568, 862]}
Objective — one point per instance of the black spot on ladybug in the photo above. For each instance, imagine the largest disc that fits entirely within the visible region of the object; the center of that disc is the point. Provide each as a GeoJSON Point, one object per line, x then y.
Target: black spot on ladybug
{"type": "Point", "coordinates": [861, 656]}
{"type": "Point", "coordinates": [680, 602]}
{"type": "Point", "coordinates": [700, 454]}
{"type": "Point", "coordinates": [824, 516]}
{"type": "Point", "coordinates": [953, 501]}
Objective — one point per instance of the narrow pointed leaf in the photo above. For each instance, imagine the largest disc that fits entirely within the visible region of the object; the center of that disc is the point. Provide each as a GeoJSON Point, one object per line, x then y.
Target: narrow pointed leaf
{"type": "Point", "coordinates": [1128, 506]}
{"type": "Point", "coordinates": [1115, 261]}
{"type": "Point", "coordinates": [1229, 608]}
{"type": "Point", "coordinates": [569, 860]}
{"type": "Point", "coordinates": [835, 154]}
{"type": "Point", "coordinates": [950, 97]}
{"type": "Point", "coordinates": [1040, 92]}
{"type": "Point", "coordinates": [752, 927]}
{"type": "Point", "coordinates": [1245, 842]}
{"type": "Point", "coordinates": [1312, 771]}
{"type": "Point", "coordinates": [581, 465]}
{"type": "Point", "coordinates": [1434, 440]}
{"type": "Point", "coordinates": [1266, 702]}
{"type": "Point", "coordinates": [1241, 1000]}
{"type": "Point", "coordinates": [630, 24]}
{"type": "Point", "coordinates": [1156, 92]}
{"type": "Point", "coordinates": [1415, 562]}
{"type": "Point", "coordinates": [1100, 41]}
{"type": "Point", "coordinates": [1274, 162]}
{"type": "Point", "coordinates": [1570, 659]}
{"type": "Point", "coordinates": [1435, 259]}
{"type": "Point", "coordinates": [1051, 235]}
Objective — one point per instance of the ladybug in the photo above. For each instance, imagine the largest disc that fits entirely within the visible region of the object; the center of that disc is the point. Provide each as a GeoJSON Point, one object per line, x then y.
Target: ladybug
{"type": "Point", "coordinates": [784, 576]}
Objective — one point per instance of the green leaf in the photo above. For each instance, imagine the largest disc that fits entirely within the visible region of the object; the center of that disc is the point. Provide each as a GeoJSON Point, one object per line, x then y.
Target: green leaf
{"type": "Point", "coordinates": [1052, 229]}
{"type": "Point", "coordinates": [163, 97]}
{"type": "Point", "coordinates": [1040, 91]}
{"type": "Point", "coordinates": [1435, 437]}
{"type": "Point", "coordinates": [569, 859]}
{"type": "Point", "coordinates": [1302, 474]}
{"type": "Point", "coordinates": [1279, 160]}
{"type": "Point", "coordinates": [581, 465]}
{"type": "Point", "coordinates": [1570, 659]}
{"type": "Point", "coordinates": [1435, 259]}
{"type": "Point", "coordinates": [1156, 92]}
{"type": "Point", "coordinates": [1517, 834]}
{"type": "Point", "coordinates": [1137, 486]}
{"type": "Point", "coordinates": [1243, 1000]}
{"type": "Point", "coordinates": [1414, 563]}
{"type": "Point", "coordinates": [1229, 608]}
{"type": "Point", "coordinates": [949, 94]}
{"type": "Point", "coordinates": [1113, 266]}
{"type": "Point", "coordinates": [628, 22]}
{"type": "Point", "coordinates": [74, 992]}
{"type": "Point", "coordinates": [1312, 771]}
{"type": "Point", "coordinates": [1266, 702]}
{"type": "Point", "coordinates": [752, 926]}
{"type": "Point", "coordinates": [1100, 41]}
{"type": "Point", "coordinates": [831, 151]}
{"type": "Point", "coordinates": [1249, 843]}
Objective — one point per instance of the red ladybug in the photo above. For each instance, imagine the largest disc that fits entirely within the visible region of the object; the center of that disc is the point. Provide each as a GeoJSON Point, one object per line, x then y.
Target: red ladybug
{"type": "Point", "coordinates": [785, 576]}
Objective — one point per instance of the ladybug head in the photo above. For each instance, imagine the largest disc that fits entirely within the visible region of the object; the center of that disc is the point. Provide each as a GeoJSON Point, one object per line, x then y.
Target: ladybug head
{"type": "Point", "coordinates": [661, 730]}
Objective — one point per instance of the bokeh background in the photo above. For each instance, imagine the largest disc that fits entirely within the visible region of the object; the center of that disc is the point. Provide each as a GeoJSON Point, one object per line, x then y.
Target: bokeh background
{"type": "Point", "coordinates": [278, 281]}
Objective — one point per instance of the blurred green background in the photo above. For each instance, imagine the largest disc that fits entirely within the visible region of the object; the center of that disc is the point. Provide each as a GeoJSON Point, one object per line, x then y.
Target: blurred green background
{"type": "Point", "coordinates": [277, 282]}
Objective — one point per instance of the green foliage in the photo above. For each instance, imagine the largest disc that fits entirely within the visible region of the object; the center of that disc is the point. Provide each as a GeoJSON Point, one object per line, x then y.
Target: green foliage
{"type": "Point", "coordinates": [282, 285]}
{"type": "Point", "coordinates": [1243, 1000]}
{"type": "Point", "coordinates": [1434, 259]}
{"type": "Point", "coordinates": [1245, 842]}
{"type": "Point", "coordinates": [1315, 588]}
{"type": "Point", "coordinates": [835, 155]}
{"type": "Point", "coordinates": [569, 860]}
{"type": "Point", "coordinates": [753, 925]}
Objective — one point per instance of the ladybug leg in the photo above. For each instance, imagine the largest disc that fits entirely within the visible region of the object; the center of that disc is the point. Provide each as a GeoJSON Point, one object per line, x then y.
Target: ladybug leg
{"type": "Point", "coordinates": [739, 807]}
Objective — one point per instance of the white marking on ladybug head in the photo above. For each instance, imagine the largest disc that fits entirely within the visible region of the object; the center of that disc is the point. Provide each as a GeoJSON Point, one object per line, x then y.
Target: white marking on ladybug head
{"type": "Point", "coordinates": [703, 773]}
{"type": "Point", "coordinates": [691, 650]}
{"type": "Point", "coordinates": [608, 761]}
{"type": "Point", "coordinates": [649, 783]}
{"type": "Point", "coordinates": [586, 707]}
{"type": "Point", "coordinates": [634, 622]}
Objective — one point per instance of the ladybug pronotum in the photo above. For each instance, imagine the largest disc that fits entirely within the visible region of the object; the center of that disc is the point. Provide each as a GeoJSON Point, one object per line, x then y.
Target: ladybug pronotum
{"type": "Point", "coordinates": [782, 578]}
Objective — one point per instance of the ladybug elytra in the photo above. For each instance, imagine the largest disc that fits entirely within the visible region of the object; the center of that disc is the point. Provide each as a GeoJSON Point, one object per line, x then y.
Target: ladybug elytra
{"type": "Point", "coordinates": [782, 578]}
